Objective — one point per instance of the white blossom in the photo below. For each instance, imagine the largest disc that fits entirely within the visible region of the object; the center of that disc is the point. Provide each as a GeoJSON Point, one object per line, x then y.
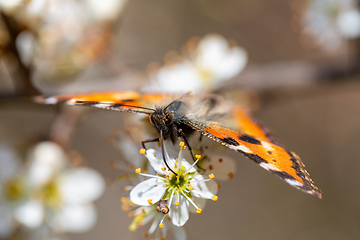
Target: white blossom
{"type": "Point", "coordinates": [46, 191]}
{"type": "Point", "coordinates": [181, 186]}
{"type": "Point", "coordinates": [330, 22]}
{"type": "Point", "coordinates": [201, 69]}
{"type": "Point", "coordinates": [66, 192]}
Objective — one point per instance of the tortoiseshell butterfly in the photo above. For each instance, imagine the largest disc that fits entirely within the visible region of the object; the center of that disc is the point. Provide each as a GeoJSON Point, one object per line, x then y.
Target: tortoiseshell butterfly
{"type": "Point", "coordinates": [176, 116]}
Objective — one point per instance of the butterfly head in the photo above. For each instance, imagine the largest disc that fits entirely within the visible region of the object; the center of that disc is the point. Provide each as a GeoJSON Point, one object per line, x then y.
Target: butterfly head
{"type": "Point", "coordinates": [162, 120]}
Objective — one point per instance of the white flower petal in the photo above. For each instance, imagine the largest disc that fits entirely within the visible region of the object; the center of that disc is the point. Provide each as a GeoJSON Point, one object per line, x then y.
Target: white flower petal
{"type": "Point", "coordinates": [349, 23]}
{"type": "Point", "coordinates": [47, 158]}
{"type": "Point", "coordinates": [81, 185]}
{"type": "Point", "coordinates": [156, 160]}
{"type": "Point", "coordinates": [25, 42]}
{"type": "Point", "coordinates": [179, 232]}
{"type": "Point", "coordinates": [203, 189]}
{"type": "Point", "coordinates": [211, 51]}
{"type": "Point", "coordinates": [146, 190]}
{"type": "Point", "coordinates": [30, 214]}
{"type": "Point", "coordinates": [10, 5]}
{"type": "Point", "coordinates": [106, 10]}
{"type": "Point", "coordinates": [74, 218]}
{"type": "Point", "coordinates": [217, 57]}
{"type": "Point", "coordinates": [232, 64]}
{"type": "Point", "coordinates": [180, 214]}
{"type": "Point", "coordinates": [6, 223]}
{"type": "Point", "coordinates": [179, 78]}
{"type": "Point", "coordinates": [154, 224]}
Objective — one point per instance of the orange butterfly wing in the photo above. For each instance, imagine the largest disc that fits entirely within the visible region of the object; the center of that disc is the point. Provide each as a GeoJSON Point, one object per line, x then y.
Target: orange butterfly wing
{"type": "Point", "coordinates": [270, 156]}
{"type": "Point", "coordinates": [126, 101]}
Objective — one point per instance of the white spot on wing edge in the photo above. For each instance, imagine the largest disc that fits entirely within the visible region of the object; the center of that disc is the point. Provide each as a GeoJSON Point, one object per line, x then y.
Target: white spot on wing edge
{"type": "Point", "coordinates": [293, 183]}
{"type": "Point", "coordinates": [269, 167]}
{"type": "Point", "coordinates": [267, 145]}
{"type": "Point", "coordinates": [103, 105]}
{"type": "Point", "coordinates": [243, 148]}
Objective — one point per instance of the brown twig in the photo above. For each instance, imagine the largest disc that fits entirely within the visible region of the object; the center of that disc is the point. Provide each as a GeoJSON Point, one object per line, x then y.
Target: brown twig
{"type": "Point", "coordinates": [22, 76]}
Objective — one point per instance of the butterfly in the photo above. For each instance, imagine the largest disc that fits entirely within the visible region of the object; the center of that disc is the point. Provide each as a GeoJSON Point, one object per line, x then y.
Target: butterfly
{"type": "Point", "coordinates": [178, 116]}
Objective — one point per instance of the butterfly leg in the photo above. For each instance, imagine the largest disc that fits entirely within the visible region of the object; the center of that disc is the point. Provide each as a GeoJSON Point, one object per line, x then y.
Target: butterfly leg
{"type": "Point", "coordinates": [149, 141]}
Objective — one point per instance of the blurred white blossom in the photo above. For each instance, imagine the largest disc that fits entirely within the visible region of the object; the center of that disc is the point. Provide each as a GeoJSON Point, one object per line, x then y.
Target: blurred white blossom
{"type": "Point", "coordinates": [67, 35]}
{"type": "Point", "coordinates": [66, 192]}
{"type": "Point", "coordinates": [330, 22]}
{"type": "Point", "coordinates": [204, 65]}
{"type": "Point", "coordinates": [14, 192]}
{"type": "Point", "coordinates": [47, 191]}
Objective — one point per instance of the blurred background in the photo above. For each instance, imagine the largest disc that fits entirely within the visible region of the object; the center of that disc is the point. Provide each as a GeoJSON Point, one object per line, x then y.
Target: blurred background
{"type": "Point", "coordinates": [297, 66]}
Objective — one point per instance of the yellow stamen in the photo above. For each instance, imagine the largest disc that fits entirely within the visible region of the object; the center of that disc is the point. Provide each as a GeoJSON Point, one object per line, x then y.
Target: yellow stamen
{"type": "Point", "coordinates": [197, 156]}
{"type": "Point", "coordinates": [182, 144]}
{"type": "Point", "coordinates": [161, 225]}
{"type": "Point", "coordinates": [231, 175]}
{"type": "Point", "coordinates": [123, 199]}
{"type": "Point", "coordinates": [183, 168]}
{"type": "Point", "coordinates": [199, 210]}
{"type": "Point", "coordinates": [190, 188]}
{"type": "Point", "coordinates": [138, 170]}
{"type": "Point", "coordinates": [215, 198]}
{"type": "Point", "coordinates": [211, 176]}
{"type": "Point", "coordinates": [176, 204]}
{"type": "Point", "coordinates": [155, 185]}
{"type": "Point", "coordinates": [150, 201]}
{"type": "Point", "coordinates": [142, 151]}
{"type": "Point", "coordinates": [163, 169]}
{"type": "Point", "coordinates": [154, 155]}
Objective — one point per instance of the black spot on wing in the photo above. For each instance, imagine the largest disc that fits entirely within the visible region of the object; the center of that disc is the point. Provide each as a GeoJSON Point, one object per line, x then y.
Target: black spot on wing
{"type": "Point", "coordinates": [255, 158]}
{"type": "Point", "coordinates": [230, 141]}
{"type": "Point", "coordinates": [249, 139]}
{"type": "Point", "coordinates": [298, 166]}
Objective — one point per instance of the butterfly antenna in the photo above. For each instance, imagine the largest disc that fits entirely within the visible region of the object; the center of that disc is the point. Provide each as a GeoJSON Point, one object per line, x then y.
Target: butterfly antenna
{"type": "Point", "coordinates": [76, 101]}
{"type": "Point", "coordinates": [151, 109]}
{"type": "Point", "coordinates": [163, 152]}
